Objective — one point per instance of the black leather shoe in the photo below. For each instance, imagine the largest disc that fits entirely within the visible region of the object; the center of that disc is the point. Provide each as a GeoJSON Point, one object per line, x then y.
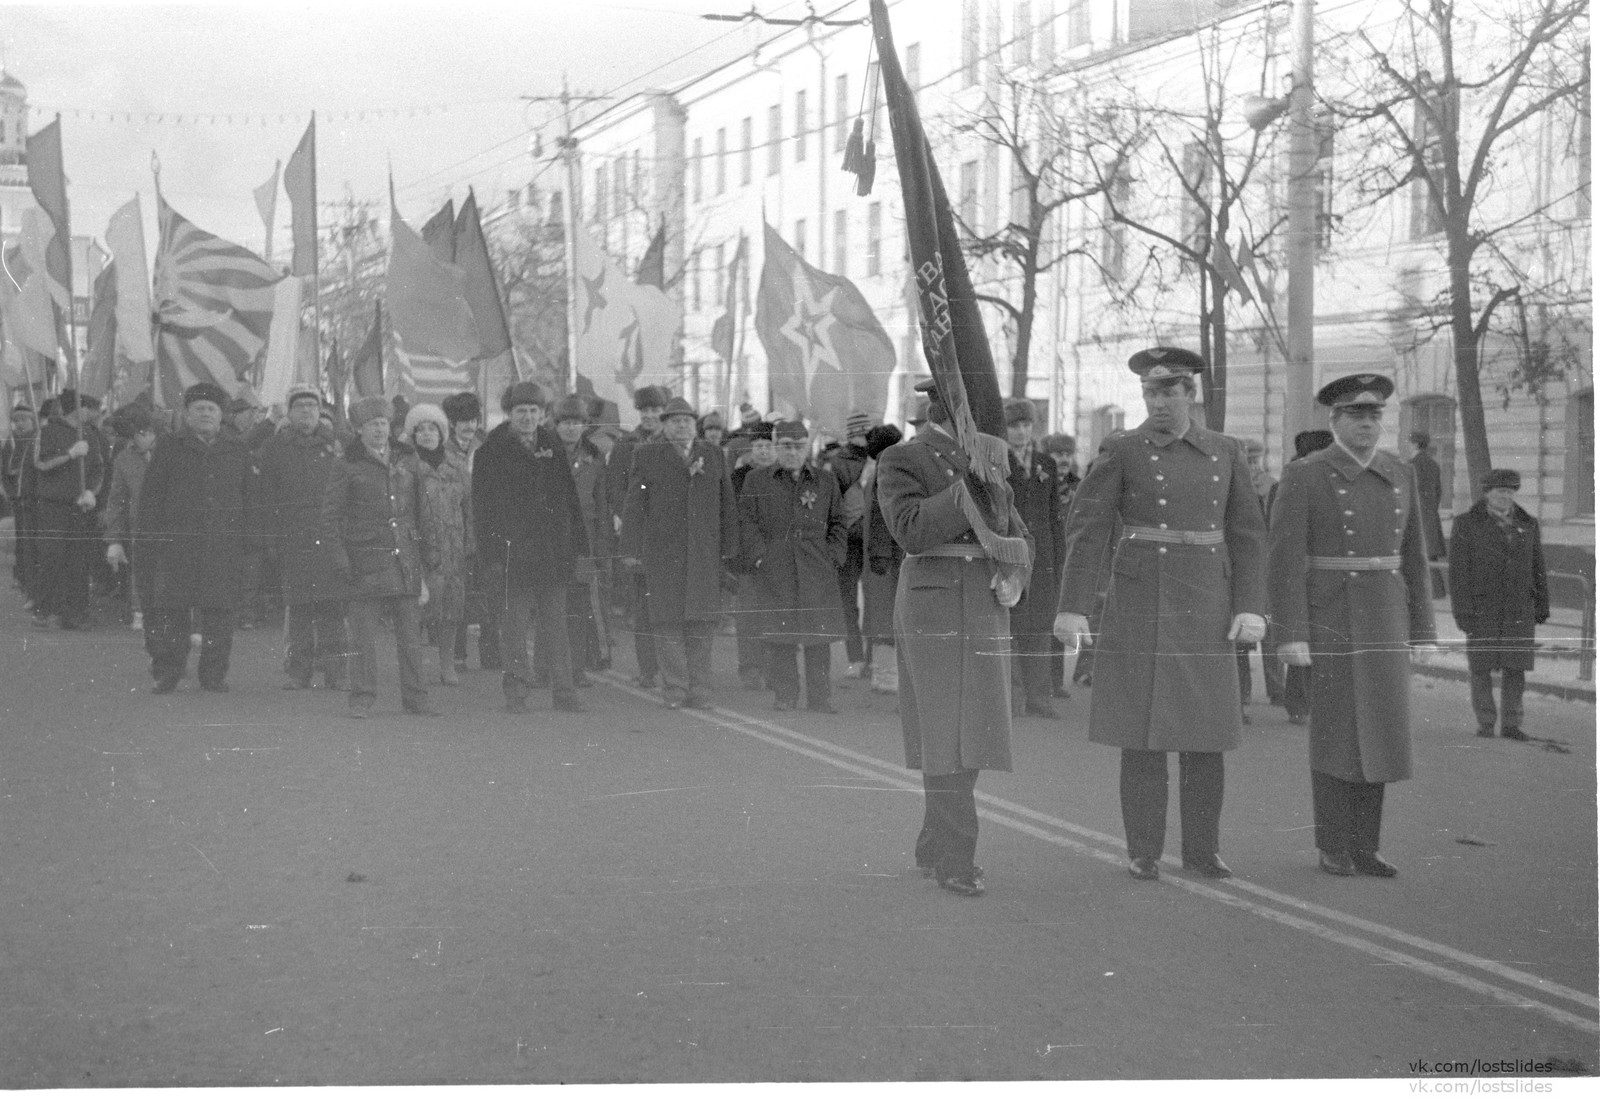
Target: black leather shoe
{"type": "Point", "coordinates": [165, 686]}
{"type": "Point", "coordinates": [1059, 693]}
{"type": "Point", "coordinates": [969, 885]}
{"type": "Point", "coordinates": [1486, 732]}
{"type": "Point", "coordinates": [1513, 733]}
{"type": "Point", "coordinates": [1042, 710]}
{"type": "Point", "coordinates": [295, 684]}
{"type": "Point", "coordinates": [929, 872]}
{"type": "Point", "coordinates": [1144, 868]}
{"type": "Point", "coordinates": [1336, 864]}
{"type": "Point", "coordinates": [1371, 864]}
{"type": "Point", "coordinates": [1212, 867]}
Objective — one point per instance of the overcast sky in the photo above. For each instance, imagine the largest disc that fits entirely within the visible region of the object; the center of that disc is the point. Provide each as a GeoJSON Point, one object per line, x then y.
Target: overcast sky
{"type": "Point", "coordinates": [440, 84]}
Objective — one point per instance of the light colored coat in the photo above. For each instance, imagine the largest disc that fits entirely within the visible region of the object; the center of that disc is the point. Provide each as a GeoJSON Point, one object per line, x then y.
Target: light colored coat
{"type": "Point", "coordinates": [444, 514]}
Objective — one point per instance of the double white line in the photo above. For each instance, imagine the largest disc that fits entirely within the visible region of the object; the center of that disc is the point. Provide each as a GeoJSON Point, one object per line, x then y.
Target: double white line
{"type": "Point", "coordinates": [1461, 969]}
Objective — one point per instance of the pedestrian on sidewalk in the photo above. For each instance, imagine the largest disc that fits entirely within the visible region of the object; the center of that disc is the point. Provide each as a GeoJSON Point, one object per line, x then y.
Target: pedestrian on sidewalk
{"type": "Point", "coordinates": [1348, 585]}
{"type": "Point", "coordinates": [444, 518]}
{"type": "Point", "coordinates": [1169, 508]}
{"type": "Point", "coordinates": [369, 530]}
{"type": "Point", "coordinates": [792, 537]}
{"type": "Point", "coordinates": [1035, 490]}
{"type": "Point", "coordinates": [680, 532]}
{"type": "Point", "coordinates": [198, 520]}
{"type": "Point", "coordinates": [952, 634]}
{"type": "Point", "coordinates": [530, 535]}
{"type": "Point", "coordinates": [1498, 592]}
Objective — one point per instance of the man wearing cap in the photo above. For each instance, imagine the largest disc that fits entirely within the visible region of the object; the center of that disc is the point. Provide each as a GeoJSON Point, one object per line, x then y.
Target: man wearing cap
{"type": "Point", "coordinates": [952, 634]}
{"type": "Point", "coordinates": [1348, 581]}
{"type": "Point", "coordinates": [752, 652]}
{"type": "Point", "coordinates": [680, 529]}
{"type": "Point", "coordinates": [530, 533]}
{"type": "Point", "coordinates": [296, 465]}
{"type": "Point", "coordinates": [69, 467]}
{"type": "Point", "coordinates": [198, 518]}
{"type": "Point", "coordinates": [649, 401]}
{"type": "Point", "coordinates": [465, 413]}
{"type": "Point", "coordinates": [1185, 586]}
{"type": "Point", "coordinates": [1034, 488]}
{"type": "Point", "coordinates": [1498, 592]}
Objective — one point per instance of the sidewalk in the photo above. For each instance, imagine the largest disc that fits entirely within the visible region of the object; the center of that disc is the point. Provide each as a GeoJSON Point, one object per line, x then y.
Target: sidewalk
{"type": "Point", "coordinates": [1555, 670]}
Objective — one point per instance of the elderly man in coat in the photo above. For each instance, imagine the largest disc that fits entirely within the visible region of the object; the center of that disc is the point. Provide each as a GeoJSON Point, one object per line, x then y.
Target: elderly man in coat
{"type": "Point", "coordinates": [1349, 590]}
{"type": "Point", "coordinates": [1170, 506]}
{"type": "Point", "coordinates": [792, 536]}
{"type": "Point", "coordinates": [295, 467]}
{"type": "Point", "coordinates": [649, 401]}
{"type": "Point", "coordinates": [1498, 592]}
{"type": "Point", "coordinates": [952, 635]}
{"type": "Point", "coordinates": [198, 516]}
{"type": "Point", "coordinates": [680, 526]}
{"type": "Point", "coordinates": [530, 532]}
{"type": "Point", "coordinates": [1034, 488]}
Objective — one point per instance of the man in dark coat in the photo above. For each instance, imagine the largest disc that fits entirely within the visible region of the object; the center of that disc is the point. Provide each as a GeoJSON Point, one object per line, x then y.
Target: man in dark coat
{"type": "Point", "coordinates": [16, 456]}
{"type": "Point", "coordinates": [1498, 592]}
{"type": "Point", "coordinates": [848, 462]}
{"type": "Point", "coordinates": [792, 539]}
{"type": "Point", "coordinates": [648, 401]}
{"type": "Point", "coordinates": [1430, 491]}
{"type": "Point", "coordinates": [1062, 448]}
{"type": "Point", "coordinates": [530, 532]}
{"type": "Point", "coordinates": [882, 577]}
{"type": "Point", "coordinates": [1034, 488]}
{"type": "Point", "coordinates": [296, 464]}
{"type": "Point", "coordinates": [1185, 587]}
{"type": "Point", "coordinates": [1348, 581]}
{"type": "Point", "coordinates": [197, 520]}
{"type": "Point", "coordinates": [69, 467]}
{"type": "Point", "coordinates": [952, 635]}
{"type": "Point", "coordinates": [1296, 679]}
{"type": "Point", "coordinates": [464, 412]}
{"type": "Point", "coordinates": [680, 527]}
{"type": "Point", "coordinates": [752, 652]}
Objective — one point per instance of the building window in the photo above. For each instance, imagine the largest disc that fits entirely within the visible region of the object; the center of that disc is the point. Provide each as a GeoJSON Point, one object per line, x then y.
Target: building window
{"type": "Point", "coordinates": [841, 111]}
{"type": "Point", "coordinates": [914, 66]}
{"type": "Point", "coordinates": [800, 237]}
{"type": "Point", "coordinates": [1579, 478]}
{"type": "Point", "coordinates": [841, 242]}
{"type": "Point", "coordinates": [1022, 34]}
{"type": "Point", "coordinates": [800, 125]}
{"type": "Point", "coordinates": [1434, 414]}
{"type": "Point", "coordinates": [875, 239]}
{"type": "Point", "coordinates": [698, 170]}
{"type": "Point", "coordinates": [969, 43]}
{"type": "Point", "coordinates": [747, 138]}
{"type": "Point", "coordinates": [967, 204]}
{"type": "Point", "coordinates": [1079, 29]}
{"type": "Point", "coordinates": [774, 140]}
{"type": "Point", "coordinates": [722, 159]}
{"type": "Point", "coordinates": [1426, 217]}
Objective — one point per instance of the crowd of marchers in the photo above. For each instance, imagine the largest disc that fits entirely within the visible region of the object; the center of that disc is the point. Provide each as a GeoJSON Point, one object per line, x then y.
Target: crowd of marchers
{"type": "Point", "coordinates": [1154, 567]}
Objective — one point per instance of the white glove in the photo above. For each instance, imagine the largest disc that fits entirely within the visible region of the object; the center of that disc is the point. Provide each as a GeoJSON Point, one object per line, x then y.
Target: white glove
{"type": "Point", "coordinates": [116, 556]}
{"type": "Point", "coordinates": [1007, 591]}
{"type": "Point", "coordinates": [86, 500]}
{"type": "Point", "coordinates": [78, 450]}
{"type": "Point", "coordinates": [1248, 628]}
{"type": "Point", "coordinates": [1295, 654]}
{"type": "Point", "coordinates": [422, 597]}
{"type": "Point", "coordinates": [1072, 628]}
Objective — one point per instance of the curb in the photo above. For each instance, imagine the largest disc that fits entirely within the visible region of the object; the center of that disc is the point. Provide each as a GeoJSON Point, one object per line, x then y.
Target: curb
{"type": "Point", "coordinates": [1565, 693]}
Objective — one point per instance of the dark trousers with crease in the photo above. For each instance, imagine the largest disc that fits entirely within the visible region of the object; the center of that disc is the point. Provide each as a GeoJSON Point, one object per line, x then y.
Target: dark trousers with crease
{"type": "Point", "coordinates": [948, 841]}
{"type": "Point", "coordinates": [317, 641]}
{"type": "Point", "coordinates": [644, 632]}
{"type": "Point", "coordinates": [1348, 814]}
{"type": "Point", "coordinates": [783, 674]}
{"type": "Point", "coordinates": [546, 607]}
{"type": "Point", "coordinates": [1144, 802]}
{"type": "Point", "coordinates": [166, 641]}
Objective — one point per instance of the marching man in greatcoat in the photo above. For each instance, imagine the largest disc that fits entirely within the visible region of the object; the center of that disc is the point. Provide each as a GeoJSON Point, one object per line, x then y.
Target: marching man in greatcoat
{"type": "Point", "coordinates": [1185, 587]}
{"type": "Point", "coordinates": [1349, 591]}
{"type": "Point", "coordinates": [952, 633]}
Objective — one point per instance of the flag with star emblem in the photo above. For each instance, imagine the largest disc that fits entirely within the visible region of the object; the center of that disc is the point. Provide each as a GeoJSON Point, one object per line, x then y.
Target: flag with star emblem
{"type": "Point", "coordinates": [625, 329]}
{"type": "Point", "coordinates": [827, 354]}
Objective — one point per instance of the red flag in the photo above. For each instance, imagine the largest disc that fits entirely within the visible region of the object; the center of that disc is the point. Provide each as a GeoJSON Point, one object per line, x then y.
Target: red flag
{"type": "Point", "coordinates": [99, 364]}
{"type": "Point", "coordinates": [300, 181]}
{"type": "Point", "coordinates": [366, 367]}
{"type": "Point", "coordinates": [439, 233]}
{"type": "Point", "coordinates": [653, 264]}
{"type": "Point", "coordinates": [725, 329]}
{"type": "Point", "coordinates": [483, 288]}
{"type": "Point", "coordinates": [48, 178]}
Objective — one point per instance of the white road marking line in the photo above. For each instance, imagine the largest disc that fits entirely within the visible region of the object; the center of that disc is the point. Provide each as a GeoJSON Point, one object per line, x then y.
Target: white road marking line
{"type": "Point", "coordinates": [821, 750]}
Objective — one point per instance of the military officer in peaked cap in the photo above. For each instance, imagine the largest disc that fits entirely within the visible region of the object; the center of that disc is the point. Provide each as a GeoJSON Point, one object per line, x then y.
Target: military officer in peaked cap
{"type": "Point", "coordinates": [1348, 592]}
{"type": "Point", "coordinates": [1185, 587]}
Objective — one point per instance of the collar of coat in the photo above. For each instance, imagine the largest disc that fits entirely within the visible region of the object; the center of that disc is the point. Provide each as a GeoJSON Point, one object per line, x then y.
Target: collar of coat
{"type": "Point", "coordinates": [502, 439]}
{"type": "Point", "coordinates": [1386, 465]}
{"type": "Point", "coordinates": [1519, 516]}
{"type": "Point", "coordinates": [222, 441]}
{"type": "Point", "coordinates": [1196, 436]}
{"type": "Point", "coordinates": [944, 445]}
{"type": "Point", "coordinates": [357, 452]}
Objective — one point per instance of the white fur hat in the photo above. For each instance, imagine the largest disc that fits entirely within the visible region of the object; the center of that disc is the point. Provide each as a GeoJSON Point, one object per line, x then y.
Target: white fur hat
{"type": "Point", "coordinates": [424, 414]}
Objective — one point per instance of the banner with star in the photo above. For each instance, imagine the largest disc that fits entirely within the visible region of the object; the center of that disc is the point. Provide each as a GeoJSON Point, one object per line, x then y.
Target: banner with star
{"type": "Point", "coordinates": [625, 329]}
{"type": "Point", "coordinates": [827, 353]}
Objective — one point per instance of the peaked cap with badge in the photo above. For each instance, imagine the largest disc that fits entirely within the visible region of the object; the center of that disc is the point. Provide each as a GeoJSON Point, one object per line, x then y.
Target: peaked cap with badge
{"type": "Point", "coordinates": [1357, 392]}
{"type": "Point", "coordinates": [1165, 362]}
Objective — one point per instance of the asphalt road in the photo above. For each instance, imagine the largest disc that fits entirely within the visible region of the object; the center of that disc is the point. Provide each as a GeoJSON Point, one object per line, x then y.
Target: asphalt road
{"type": "Point", "coordinates": [251, 889]}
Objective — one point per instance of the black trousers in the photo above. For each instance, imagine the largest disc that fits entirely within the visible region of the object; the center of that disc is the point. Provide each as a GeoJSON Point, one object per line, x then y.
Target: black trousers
{"type": "Point", "coordinates": [317, 641]}
{"type": "Point", "coordinates": [783, 674]}
{"type": "Point", "coordinates": [1144, 802]}
{"type": "Point", "coordinates": [948, 841]}
{"type": "Point", "coordinates": [1297, 690]}
{"type": "Point", "coordinates": [1349, 814]}
{"type": "Point", "coordinates": [849, 590]}
{"type": "Point", "coordinates": [166, 640]}
{"type": "Point", "coordinates": [644, 637]}
{"type": "Point", "coordinates": [1271, 671]}
{"type": "Point", "coordinates": [68, 543]}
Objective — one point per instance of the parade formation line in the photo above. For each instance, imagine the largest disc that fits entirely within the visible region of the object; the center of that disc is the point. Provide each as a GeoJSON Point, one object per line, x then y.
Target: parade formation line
{"type": "Point", "coordinates": [1107, 849]}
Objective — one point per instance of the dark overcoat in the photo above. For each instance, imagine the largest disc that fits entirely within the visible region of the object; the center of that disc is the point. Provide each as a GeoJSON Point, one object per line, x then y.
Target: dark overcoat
{"type": "Point", "coordinates": [369, 526]}
{"type": "Point", "coordinates": [1165, 674]}
{"type": "Point", "coordinates": [1498, 587]}
{"type": "Point", "coordinates": [525, 508]}
{"type": "Point", "coordinates": [953, 639]}
{"type": "Point", "coordinates": [680, 519]}
{"type": "Point", "coordinates": [792, 538]}
{"type": "Point", "coordinates": [198, 514]}
{"type": "Point", "coordinates": [295, 469]}
{"type": "Point", "coordinates": [1430, 489]}
{"type": "Point", "coordinates": [1036, 491]}
{"type": "Point", "coordinates": [1358, 622]}
{"type": "Point", "coordinates": [881, 578]}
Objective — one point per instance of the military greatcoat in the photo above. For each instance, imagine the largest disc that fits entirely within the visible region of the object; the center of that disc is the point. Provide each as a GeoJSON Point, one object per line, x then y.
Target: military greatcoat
{"type": "Point", "coordinates": [681, 521]}
{"type": "Point", "coordinates": [953, 638]}
{"type": "Point", "coordinates": [1358, 622]}
{"type": "Point", "coordinates": [1165, 673]}
{"type": "Point", "coordinates": [792, 536]}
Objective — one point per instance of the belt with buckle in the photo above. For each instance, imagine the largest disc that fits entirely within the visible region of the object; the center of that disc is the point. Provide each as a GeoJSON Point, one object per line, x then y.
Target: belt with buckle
{"type": "Point", "coordinates": [1168, 535]}
{"type": "Point", "coordinates": [951, 551]}
{"type": "Point", "coordinates": [1372, 562]}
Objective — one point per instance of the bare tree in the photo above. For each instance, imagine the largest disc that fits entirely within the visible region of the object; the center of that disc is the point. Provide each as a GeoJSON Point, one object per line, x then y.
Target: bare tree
{"type": "Point", "coordinates": [1451, 96]}
{"type": "Point", "coordinates": [527, 247]}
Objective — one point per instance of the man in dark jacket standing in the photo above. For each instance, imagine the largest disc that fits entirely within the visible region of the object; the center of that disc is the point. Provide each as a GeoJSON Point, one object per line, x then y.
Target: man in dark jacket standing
{"type": "Point", "coordinates": [530, 533]}
{"type": "Point", "coordinates": [648, 401]}
{"type": "Point", "coordinates": [197, 519]}
{"type": "Point", "coordinates": [296, 464]}
{"type": "Point", "coordinates": [680, 526]}
{"type": "Point", "coordinates": [1034, 488]}
{"type": "Point", "coordinates": [69, 469]}
{"type": "Point", "coordinates": [1498, 592]}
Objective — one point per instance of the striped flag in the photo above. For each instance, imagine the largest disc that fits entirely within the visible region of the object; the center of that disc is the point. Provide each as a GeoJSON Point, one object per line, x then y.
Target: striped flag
{"type": "Point", "coordinates": [213, 303]}
{"type": "Point", "coordinates": [434, 332]}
